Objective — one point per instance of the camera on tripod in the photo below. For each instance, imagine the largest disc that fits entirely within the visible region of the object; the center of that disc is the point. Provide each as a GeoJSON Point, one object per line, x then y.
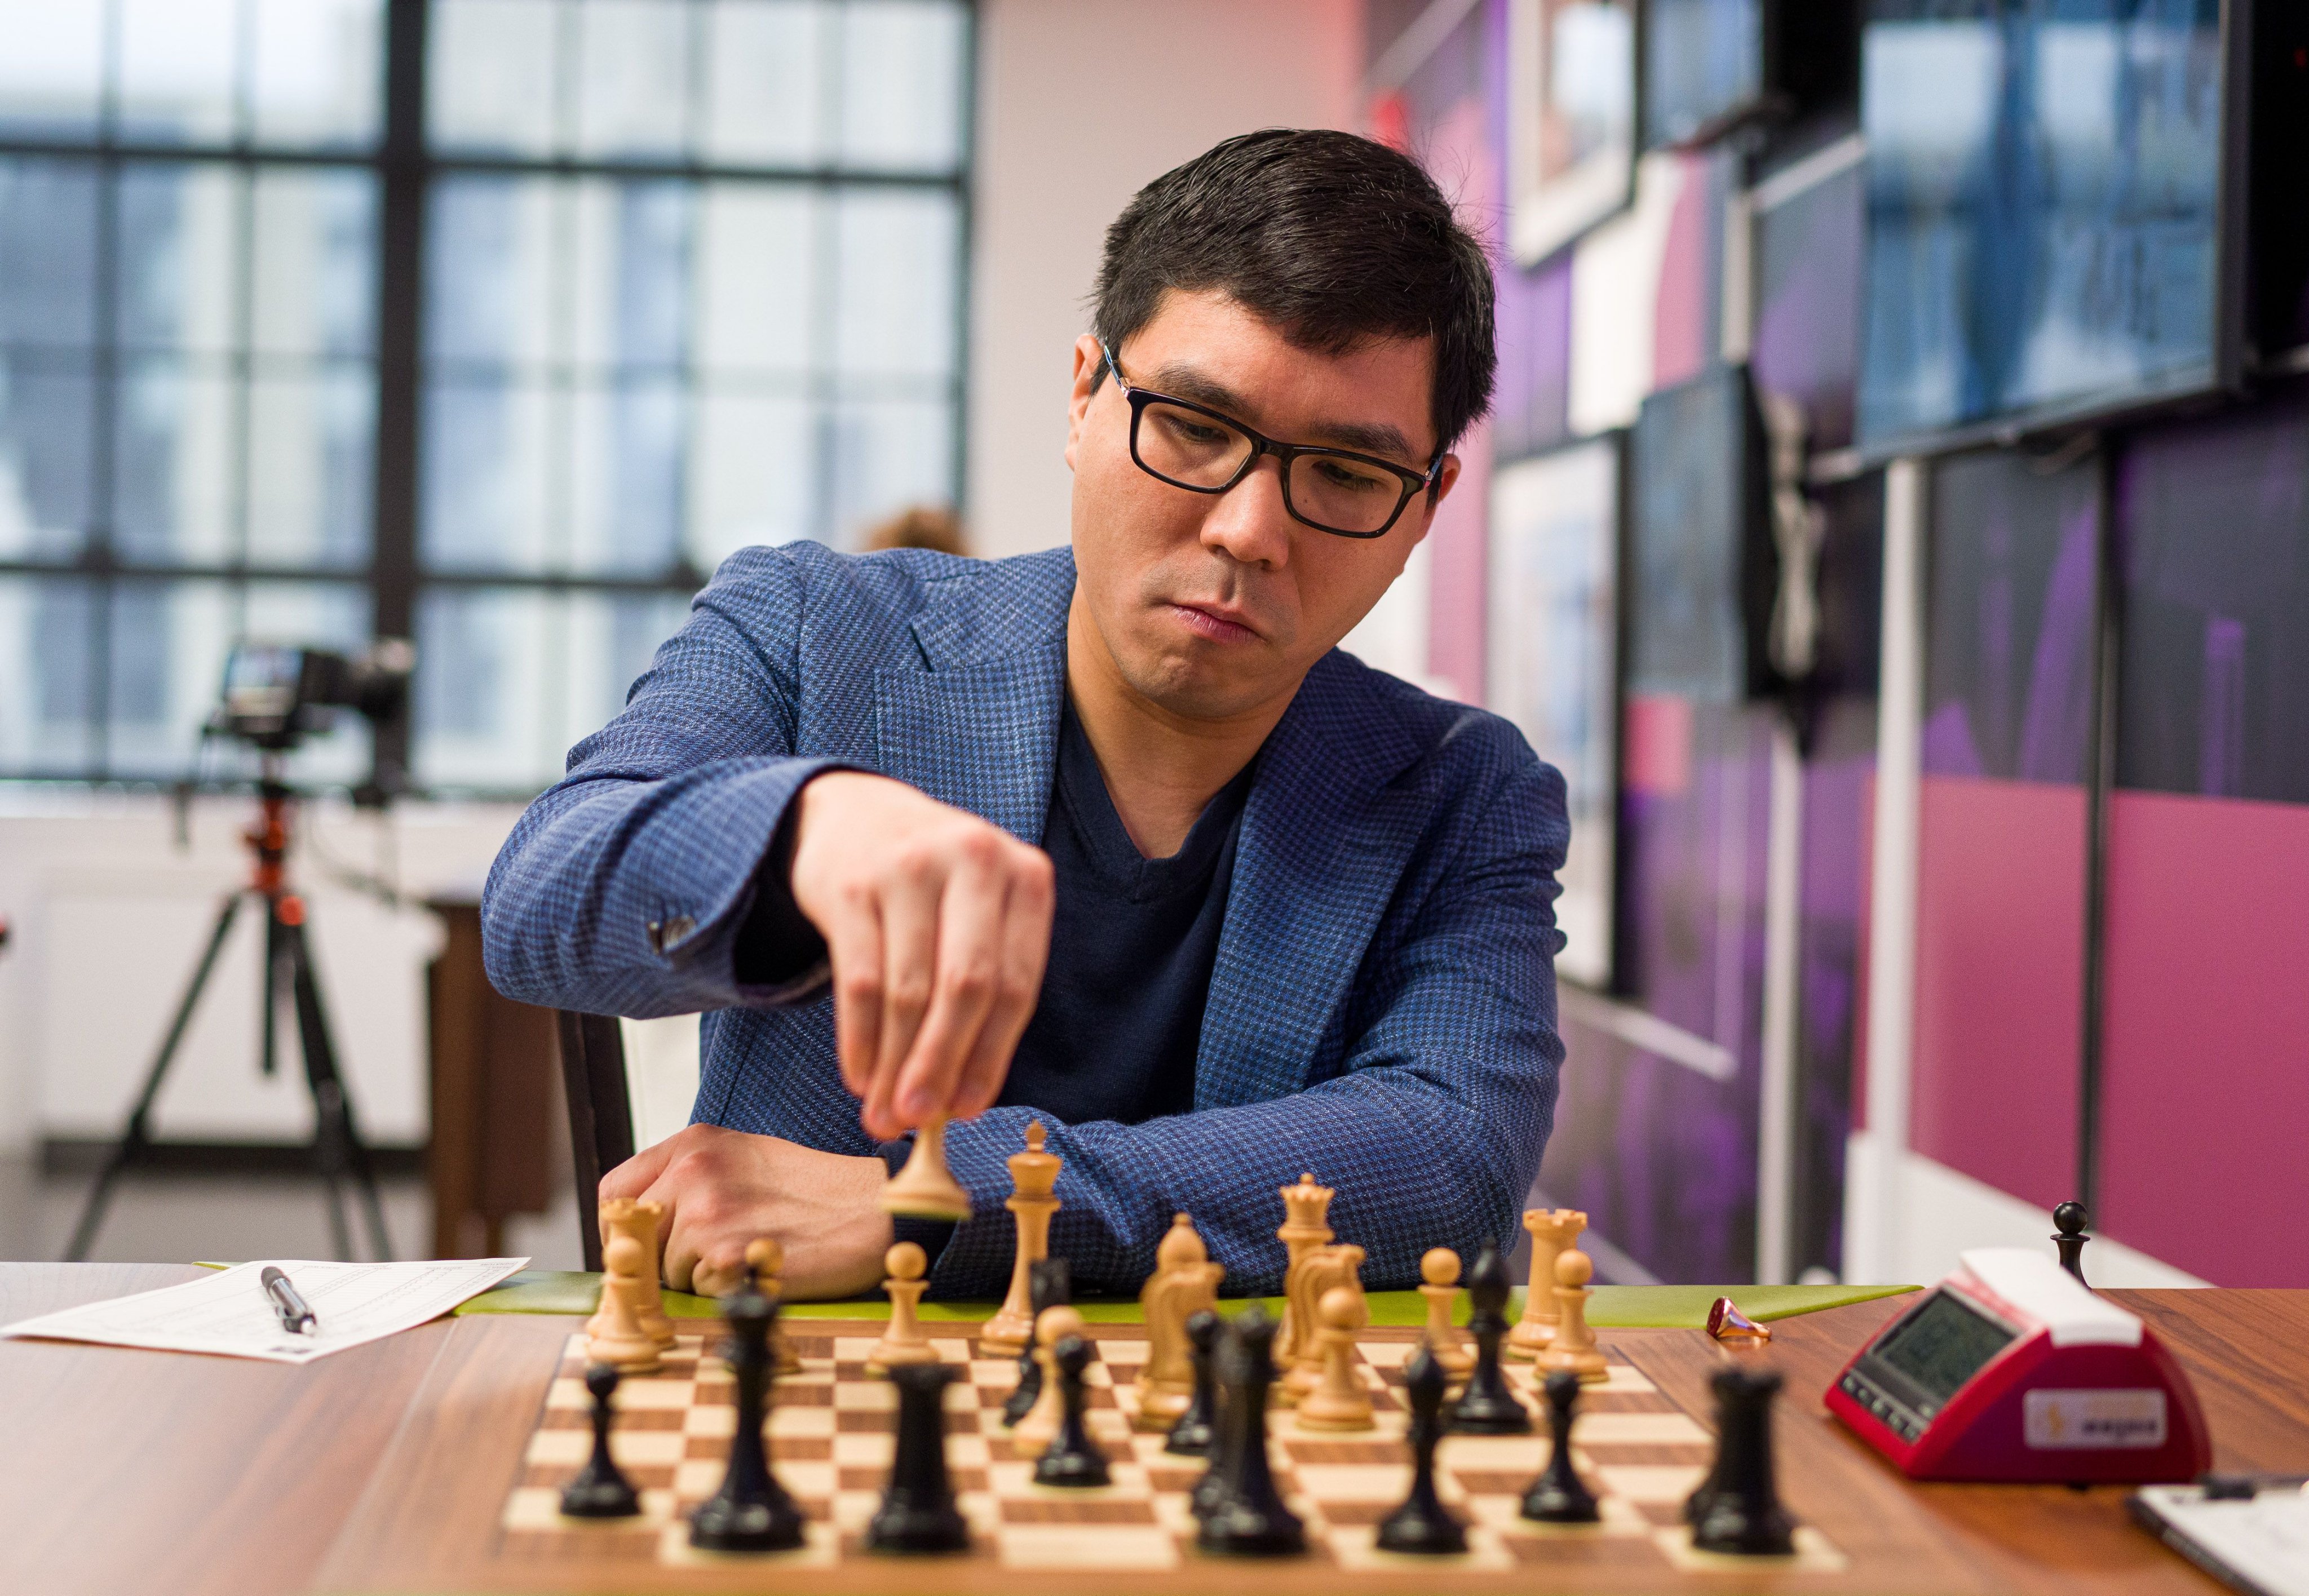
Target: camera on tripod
{"type": "Point", "coordinates": [276, 694]}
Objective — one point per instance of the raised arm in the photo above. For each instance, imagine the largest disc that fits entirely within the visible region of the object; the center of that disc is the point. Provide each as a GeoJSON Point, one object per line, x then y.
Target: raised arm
{"type": "Point", "coordinates": [1431, 1130]}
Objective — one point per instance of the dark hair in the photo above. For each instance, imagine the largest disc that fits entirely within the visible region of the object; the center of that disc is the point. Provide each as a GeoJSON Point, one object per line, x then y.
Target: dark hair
{"type": "Point", "coordinates": [1335, 239]}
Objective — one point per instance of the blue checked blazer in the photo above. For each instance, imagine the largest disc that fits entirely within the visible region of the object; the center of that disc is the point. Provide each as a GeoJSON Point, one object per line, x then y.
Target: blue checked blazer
{"type": "Point", "coordinates": [1382, 1013]}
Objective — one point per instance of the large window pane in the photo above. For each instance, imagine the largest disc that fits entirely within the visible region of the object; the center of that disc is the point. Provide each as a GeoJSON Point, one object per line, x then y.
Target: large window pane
{"type": "Point", "coordinates": [885, 455]}
{"type": "Point", "coordinates": [316, 74]}
{"type": "Point", "coordinates": [492, 243]}
{"type": "Point", "coordinates": [178, 70]}
{"type": "Point", "coordinates": [751, 475]}
{"type": "Point", "coordinates": [313, 237]}
{"type": "Point", "coordinates": [895, 293]}
{"type": "Point", "coordinates": [179, 241]}
{"type": "Point", "coordinates": [175, 427]}
{"type": "Point", "coordinates": [507, 679]}
{"type": "Point", "coordinates": [634, 78]}
{"type": "Point", "coordinates": [45, 413]}
{"type": "Point", "coordinates": [626, 480]}
{"type": "Point", "coordinates": [47, 252]}
{"type": "Point", "coordinates": [51, 71]}
{"type": "Point", "coordinates": [311, 467]}
{"type": "Point", "coordinates": [484, 468]}
{"type": "Point", "coordinates": [902, 84]}
{"type": "Point", "coordinates": [47, 674]}
{"type": "Point", "coordinates": [629, 299]}
{"type": "Point", "coordinates": [755, 263]}
{"type": "Point", "coordinates": [490, 78]}
{"type": "Point", "coordinates": [765, 100]}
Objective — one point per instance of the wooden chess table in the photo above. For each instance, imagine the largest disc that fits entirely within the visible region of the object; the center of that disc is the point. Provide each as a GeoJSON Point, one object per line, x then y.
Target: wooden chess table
{"type": "Point", "coordinates": [417, 1464]}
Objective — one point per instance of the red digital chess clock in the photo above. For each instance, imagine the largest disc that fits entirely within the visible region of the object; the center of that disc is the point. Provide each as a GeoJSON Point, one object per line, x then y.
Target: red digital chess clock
{"type": "Point", "coordinates": [2010, 1369]}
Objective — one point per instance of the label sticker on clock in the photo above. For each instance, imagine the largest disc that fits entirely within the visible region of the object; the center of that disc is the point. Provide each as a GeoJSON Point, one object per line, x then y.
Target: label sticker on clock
{"type": "Point", "coordinates": [2093, 1420]}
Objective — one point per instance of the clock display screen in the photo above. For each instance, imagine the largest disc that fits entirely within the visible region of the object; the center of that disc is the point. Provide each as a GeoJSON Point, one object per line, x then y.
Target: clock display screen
{"type": "Point", "coordinates": [1942, 1344]}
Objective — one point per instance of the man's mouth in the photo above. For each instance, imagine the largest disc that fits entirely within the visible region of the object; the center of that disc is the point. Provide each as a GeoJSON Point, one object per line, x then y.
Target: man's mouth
{"type": "Point", "coordinates": [1216, 622]}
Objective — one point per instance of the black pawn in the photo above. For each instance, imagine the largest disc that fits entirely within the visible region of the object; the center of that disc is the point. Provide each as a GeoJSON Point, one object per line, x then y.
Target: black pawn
{"type": "Point", "coordinates": [1049, 1283]}
{"type": "Point", "coordinates": [1072, 1459]}
{"type": "Point", "coordinates": [1558, 1496]}
{"type": "Point", "coordinates": [1195, 1429]}
{"type": "Point", "coordinates": [918, 1514]}
{"type": "Point", "coordinates": [600, 1490]}
{"type": "Point", "coordinates": [1487, 1406]}
{"type": "Point", "coordinates": [1742, 1514]}
{"type": "Point", "coordinates": [752, 1513]}
{"type": "Point", "coordinates": [1246, 1516]}
{"type": "Point", "coordinates": [1423, 1525]}
{"type": "Point", "coordinates": [2069, 1220]}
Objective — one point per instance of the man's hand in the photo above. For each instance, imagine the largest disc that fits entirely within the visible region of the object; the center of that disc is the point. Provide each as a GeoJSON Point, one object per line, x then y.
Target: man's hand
{"type": "Point", "coordinates": [937, 924]}
{"type": "Point", "coordinates": [721, 1188]}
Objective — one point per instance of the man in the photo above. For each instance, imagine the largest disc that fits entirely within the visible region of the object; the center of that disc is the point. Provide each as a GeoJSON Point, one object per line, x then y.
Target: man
{"type": "Point", "coordinates": [1110, 836]}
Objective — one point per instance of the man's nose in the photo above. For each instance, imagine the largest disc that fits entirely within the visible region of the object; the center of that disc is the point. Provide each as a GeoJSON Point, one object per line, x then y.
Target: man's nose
{"type": "Point", "coordinates": [1248, 521]}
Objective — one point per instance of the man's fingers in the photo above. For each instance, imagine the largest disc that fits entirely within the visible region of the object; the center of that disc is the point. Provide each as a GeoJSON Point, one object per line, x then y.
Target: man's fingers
{"type": "Point", "coordinates": [968, 972]}
{"type": "Point", "coordinates": [637, 1174]}
{"type": "Point", "coordinates": [1023, 952]}
{"type": "Point", "coordinates": [909, 919]}
{"type": "Point", "coordinates": [853, 942]}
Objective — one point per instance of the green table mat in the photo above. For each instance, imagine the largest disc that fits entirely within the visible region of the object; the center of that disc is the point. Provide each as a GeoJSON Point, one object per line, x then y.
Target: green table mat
{"type": "Point", "coordinates": [1625, 1307]}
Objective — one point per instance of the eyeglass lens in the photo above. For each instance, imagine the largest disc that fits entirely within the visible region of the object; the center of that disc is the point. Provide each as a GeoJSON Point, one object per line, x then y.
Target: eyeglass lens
{"type": "Point", "coordinates": [1200, 451]}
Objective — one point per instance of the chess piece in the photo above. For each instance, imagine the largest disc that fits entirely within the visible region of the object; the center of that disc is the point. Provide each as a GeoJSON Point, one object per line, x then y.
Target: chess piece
{"type": "Point", "coordinates": [765, 1261]}
{"type": "Point", "coordinates": [1185, 1282]}
{"type": "Point", "coordinates": [2070, 1221]}
{"type": "Point", "coordinates": [1558, 1496]}
{"type": "Point", "coordinates": [1742, 1514]}
{"type": "Point", "coordinates": [1244, 1514]}
{"type": "Point", "coordinates": [1342, 1401]}
{"type": "Point", "coordinates": [1487, 1406]}
{"type": "Point", "coordinates": [1439, 1268]}
{"type": "Point", "coordinates": [1319, 1272]}
{"type": "Point", "coordinates": [1034, 1432]}
{"type": "Point", "coordinates": [1305, 1208]}
{"type": "Point", "coordinates": [1574, 1347]}
{"type": "Point", "coordinates": [1072, 1459]}
{"type": "Point", "coordinates": [925, 1188]}
{"type": "Point", "coordinates": [625, 1216]}
{"type": "Point", "coordinates": [904, 1342]}
{"type": "Point", "coordinates": [918, 1514]}
{"type": "Point", "coordinates": [1726, 1323]}
{"type": "Point", "coordinates": [615, 1336]}
{"type": "Point", "coordinates": [1423, 1525]}
{"type": "Point", "coordinates": [1052, 1283]}
{"type": "Point", "coordinates": [1552, 1230]}
{"type": "Point", "coordinates": [1197, 1428]}
{"type": "Point", "coordinates": [1033, 1173]}
{"type": "Point", "coordinates": [752, 1513]}
{"type": "Point", "coordinates": [601, 1490]}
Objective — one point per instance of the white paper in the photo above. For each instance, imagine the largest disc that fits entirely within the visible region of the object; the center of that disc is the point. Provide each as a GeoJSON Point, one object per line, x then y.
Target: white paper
{"type": "Point", "coordinates": [2258, 1543]}
{"type": "Point", "coordinates": [230, 1314]}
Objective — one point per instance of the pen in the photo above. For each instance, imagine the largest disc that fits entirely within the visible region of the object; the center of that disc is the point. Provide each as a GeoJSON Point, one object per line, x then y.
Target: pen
{"type": "Point", "coordinates": [296, 1315]}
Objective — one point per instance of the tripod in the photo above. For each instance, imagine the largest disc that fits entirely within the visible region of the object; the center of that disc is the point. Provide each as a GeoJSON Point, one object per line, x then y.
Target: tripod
{"type": "Point", "coordinates": [337, 1147]}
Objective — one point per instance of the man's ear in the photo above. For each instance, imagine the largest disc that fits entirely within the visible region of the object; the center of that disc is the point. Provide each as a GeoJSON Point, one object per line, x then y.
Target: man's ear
{"type": "Point", "coordinates": [1444, 480]}
{"type": "Point", "coordinates": [1088, 360]}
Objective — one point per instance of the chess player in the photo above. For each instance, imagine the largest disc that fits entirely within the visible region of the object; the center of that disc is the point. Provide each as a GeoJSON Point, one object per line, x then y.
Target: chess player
{"type": "Point", "coordinates": [1112, 836]}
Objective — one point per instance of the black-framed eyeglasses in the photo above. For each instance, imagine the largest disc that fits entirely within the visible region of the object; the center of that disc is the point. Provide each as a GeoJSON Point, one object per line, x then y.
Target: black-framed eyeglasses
{"type": "Point", "coordinates": [1202, 449]}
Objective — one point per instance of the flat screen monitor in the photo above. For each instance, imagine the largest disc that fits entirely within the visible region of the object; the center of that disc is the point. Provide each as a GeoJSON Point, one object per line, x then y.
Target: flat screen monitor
{"type": "Point", "coordinates": [1553, 670]}
{"type": "Point", "coordinates": [1699, 570]}
{"type": "Point", "coordinates": [2046, 213]}
{"type": "Point", "coordinates": [1712, 65]}
{"type": "Point", "coordinates": [1571, 120]}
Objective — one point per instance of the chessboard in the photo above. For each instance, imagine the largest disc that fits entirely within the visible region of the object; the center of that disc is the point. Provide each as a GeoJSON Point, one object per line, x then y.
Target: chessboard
{"type": "Point", "coordinates": [830, 1433]}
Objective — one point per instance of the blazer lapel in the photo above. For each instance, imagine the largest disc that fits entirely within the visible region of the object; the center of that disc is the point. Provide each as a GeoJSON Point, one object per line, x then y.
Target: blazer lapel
{"type": "Point", "coordinates": [979, 730]}
{"type": "Point", "coordinates": [1324, 840]}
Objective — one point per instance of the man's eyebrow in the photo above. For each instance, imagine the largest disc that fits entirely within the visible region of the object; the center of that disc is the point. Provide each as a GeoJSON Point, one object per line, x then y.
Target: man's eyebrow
{"type": "Point", "coordinates": [1366, 438]}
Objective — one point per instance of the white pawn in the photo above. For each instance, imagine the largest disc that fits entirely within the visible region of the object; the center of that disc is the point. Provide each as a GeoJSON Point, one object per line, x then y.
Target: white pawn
{"type": "Point", "coordinates": [1439, 1268]}
{"type": "Point", "coordinates": [616, 1336]}
{"type": "Point", "coordinates": [904, 1342]}
{"type": "Point", "coordinates": [1574, 1346]}
{"type": "Point", "coordinates": [1341, 1401]}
